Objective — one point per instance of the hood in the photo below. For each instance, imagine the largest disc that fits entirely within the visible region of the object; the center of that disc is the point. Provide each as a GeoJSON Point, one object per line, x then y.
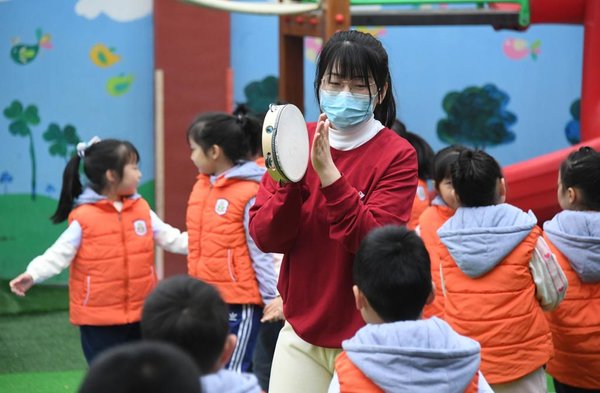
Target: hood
{"type": "Point", "coordinates": [479, 238]}
{"type": "Point", "coordinates": [90, 196]}
{"type": "Point", "coordinates": [230, 382]}
{"type": "Point", "coordinates": [415, 356]}
{"type": "Point", "coordinates": [577, 235]}
{"type": "Point", "coordinates": [246, 170]}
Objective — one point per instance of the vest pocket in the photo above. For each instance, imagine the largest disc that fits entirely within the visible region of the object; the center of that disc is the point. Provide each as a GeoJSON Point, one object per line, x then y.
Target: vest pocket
{"type": "Point", "coordinates": [88, 284]}
{"type": "Point", "coordinates": [230, 265]}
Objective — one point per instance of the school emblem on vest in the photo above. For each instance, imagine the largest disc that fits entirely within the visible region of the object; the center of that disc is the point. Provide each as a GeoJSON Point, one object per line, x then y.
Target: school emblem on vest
{"type": "Point", "coordinates": [139, 227]}
{"type": "Point", "coordinates": [221, 206]}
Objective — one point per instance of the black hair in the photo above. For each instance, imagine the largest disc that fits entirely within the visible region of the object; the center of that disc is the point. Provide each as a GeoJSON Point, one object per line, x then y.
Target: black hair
{"type": "Point", "coordinates": [442, 163]}
{"type": "Point", "coordinates": [190, 314]}
{"type": "Point", "coordinates": [149, 367]}
{"type": "Point", "coordinates": [423, 149]}
{"type": "Point", "coordinates": [581, 170]}
{"type": "Point", "coordinates": [238, 135]}
{"type": "Point", "coordinates": [359, 55]}
{"type": "Point", "coordinates": [99, 157]}
{"type": "Point", "coordinates": [392, 269]}
{"type": "Point", "coordinates": [475, 176]}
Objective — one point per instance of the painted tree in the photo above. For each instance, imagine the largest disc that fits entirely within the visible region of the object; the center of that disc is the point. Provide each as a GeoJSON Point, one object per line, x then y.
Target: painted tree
{"type": "Point", "coordinates": [21, 118]}
{"type": "Point", "coordinates": [573, 127]}
{"type": "Point", "coordinates": [63, 142]}
{"type": "Point", "coordinates": [477, 116]}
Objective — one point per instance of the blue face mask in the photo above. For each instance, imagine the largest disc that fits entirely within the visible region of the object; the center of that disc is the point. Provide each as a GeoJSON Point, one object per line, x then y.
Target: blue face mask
{"type": "Point", "coordinates": [345, 109]}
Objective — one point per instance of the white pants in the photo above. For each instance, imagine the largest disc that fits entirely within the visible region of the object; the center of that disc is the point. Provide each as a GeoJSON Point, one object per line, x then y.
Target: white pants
{"type": "Point", "coordinates": [300, 367]}
{"type": "Point", "coordinates": [530, 383]}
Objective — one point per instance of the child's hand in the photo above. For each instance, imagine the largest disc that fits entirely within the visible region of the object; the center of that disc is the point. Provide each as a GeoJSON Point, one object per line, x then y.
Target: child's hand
{"type": "Point", "coordinates": [21, 284]}
{"type": "Point", "coordinates": [320, 154]}
{"type": "Point", "coordinates": [273, 311]}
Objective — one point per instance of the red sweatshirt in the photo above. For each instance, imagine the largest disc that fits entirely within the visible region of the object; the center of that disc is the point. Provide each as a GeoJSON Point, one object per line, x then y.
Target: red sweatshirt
{"type": "Point", "coordinates": [319, 230]}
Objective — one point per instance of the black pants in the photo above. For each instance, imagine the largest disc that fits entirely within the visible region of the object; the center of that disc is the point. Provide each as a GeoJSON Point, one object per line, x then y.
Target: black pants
{"type": "Point", "coordinates": [95, 339]}
{"type": "Point", "coordinates": [562, 388]}
{"type": "Point", "coordinates": [263, 352]}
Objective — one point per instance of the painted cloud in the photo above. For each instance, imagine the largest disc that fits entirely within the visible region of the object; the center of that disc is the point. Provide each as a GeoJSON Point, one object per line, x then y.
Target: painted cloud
{"type": "Point", "coordinates": [118, 10]}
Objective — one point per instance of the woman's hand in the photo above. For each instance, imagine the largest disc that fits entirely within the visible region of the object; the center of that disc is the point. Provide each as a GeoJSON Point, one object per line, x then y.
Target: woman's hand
{"type": "Point", "coordinates": [320, 154]}
{"type": "Point", "coordinates": [21, 284]}
{"type": "Point", "coordinates": [273, 311]}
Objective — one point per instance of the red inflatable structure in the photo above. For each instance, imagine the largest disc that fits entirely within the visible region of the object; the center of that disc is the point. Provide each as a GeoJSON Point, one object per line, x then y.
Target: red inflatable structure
{"type": "Point", "coordinates": [532, 184]}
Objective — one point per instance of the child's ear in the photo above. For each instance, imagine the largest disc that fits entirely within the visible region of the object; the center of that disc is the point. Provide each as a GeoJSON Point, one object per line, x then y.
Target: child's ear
{"type": "Point", "coordinates": [359, 298]}
{"type": "Point", "coordinates": [431, 296]}
{"type": "Point", "coordinates": [501, 190]}
{"type": "Point", "coordinates": [227, 351]}
{"type": "Point", "coordinates": [215, 152]}
{"type": "Point", "coordinates": [573, 196]}
{"type": "Point", "coordinates": [111, 176]}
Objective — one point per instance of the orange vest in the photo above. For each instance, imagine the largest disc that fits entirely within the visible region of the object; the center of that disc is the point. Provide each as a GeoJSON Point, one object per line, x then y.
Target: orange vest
{"type": "Point", "coordinates": [420, 203]}
{"type": "Point", "coordinates": [500, 310]}
{"type": "Point", "coordinates": [430, 221]}
{"type": "Point", "coordinates": [217, 247]}
{"type": "Point", "coordinates": [575, 326]}
{"type": "Point", "coordinates": [353, 380]}
{"type": "Point", "coordinates": [113, 270]}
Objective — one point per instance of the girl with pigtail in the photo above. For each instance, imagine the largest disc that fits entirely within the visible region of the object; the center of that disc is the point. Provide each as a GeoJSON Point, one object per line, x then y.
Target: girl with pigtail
{"type": "Point", "coordinates": [221, 251]}
{"type": "Point", "coordinates": [108, 245]}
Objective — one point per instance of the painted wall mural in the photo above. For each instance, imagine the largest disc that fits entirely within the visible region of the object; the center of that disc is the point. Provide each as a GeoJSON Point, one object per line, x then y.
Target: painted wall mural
{"type": "Point", "coordinates": [70, 70]}
{"type": "Point", "coordinates": [477, 117]}
{"type": "Point", "coordinates": [572, 129]}
{"type": "Point", "coordinates": [539, 69]}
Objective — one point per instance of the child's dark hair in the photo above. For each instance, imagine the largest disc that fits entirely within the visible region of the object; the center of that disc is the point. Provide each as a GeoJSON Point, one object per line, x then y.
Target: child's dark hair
{"type": "Point", "coordinates": [238, 135]}
{"type": "Point", "coordinates": [190, 314]}
{"type": "Point", "coordinates": [424, 151]}
{"type": "Point", "coordinates": [150, 367]}
{"type": "Point", "coordinates": [359, 55]}
{"type": "Point", "coordinates": [99, 157]}
{"type": "Point", "coordinates": [392, 269]}
{"type": "Point", "coordinates": [475, 177]}
{"type": "Point", "coordinates": [581, 170]}
{"type": "Point", "coordinates": [442, 163]}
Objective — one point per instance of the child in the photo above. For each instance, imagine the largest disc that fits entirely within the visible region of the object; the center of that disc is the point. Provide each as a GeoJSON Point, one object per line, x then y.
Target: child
{"type": "Point", "coordinates": [425, 173]}
{"type": "Point", "coordinates": [574, 237]}
{"type": "Point", "coordinates": [192, 315]}
{"type": "Point", "coordinates": [109, 245]}
{"type": "Point", "coordinates": [443, 206]}
{"type": "Point", "coordinates": [361, 176]}
{"type": "Point", "coordinates": [496, 273]}
{"type": "Point", "coordinates": [220, 250]}
{"type": "Point", "coordinates": [142, 367]}
{"type": "Point", "coordinates": [397, 351]}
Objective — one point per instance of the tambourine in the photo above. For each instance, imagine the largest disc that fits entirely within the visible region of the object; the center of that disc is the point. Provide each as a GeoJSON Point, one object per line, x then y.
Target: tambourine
{"type": "Point", "coordinates": [285, 143]}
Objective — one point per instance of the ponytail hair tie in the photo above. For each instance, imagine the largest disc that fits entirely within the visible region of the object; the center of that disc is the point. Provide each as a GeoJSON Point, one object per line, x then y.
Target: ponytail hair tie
{"type": "Point", "coordinates": [82, 146]}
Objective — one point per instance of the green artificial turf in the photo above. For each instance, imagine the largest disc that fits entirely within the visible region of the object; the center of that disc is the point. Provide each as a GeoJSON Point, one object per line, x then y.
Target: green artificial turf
{"type": "Point", "coordinates": [39, 343]}
{"type": "Point", "coordinates": [48, 382]}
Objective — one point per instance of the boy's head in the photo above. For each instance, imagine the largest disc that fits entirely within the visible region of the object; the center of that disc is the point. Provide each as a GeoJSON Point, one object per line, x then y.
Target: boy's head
{"type": "Point", "coordinates": [477, 179]}
{"type": "Point", "coordinates": [192, 315]}
{"type": "Point", "coordinates": [150, 367]}
{"type": "Point", "coordinates": [392, 275]}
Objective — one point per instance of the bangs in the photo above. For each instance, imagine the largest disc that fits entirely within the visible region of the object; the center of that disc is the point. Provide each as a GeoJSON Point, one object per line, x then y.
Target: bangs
{"type": "Point", "coordinates": [349, 62]}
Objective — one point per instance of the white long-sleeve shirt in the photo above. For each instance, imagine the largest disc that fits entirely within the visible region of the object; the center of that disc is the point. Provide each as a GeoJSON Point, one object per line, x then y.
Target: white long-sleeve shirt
{"type": "Point", "coordinates": [60, 255]}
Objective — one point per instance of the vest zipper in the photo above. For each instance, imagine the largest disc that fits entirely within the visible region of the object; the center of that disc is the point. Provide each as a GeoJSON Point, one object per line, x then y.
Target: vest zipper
{"type": "Point", "coordinates": [126, 263]}
{"type": "Point", "coordinates": [88, 281]}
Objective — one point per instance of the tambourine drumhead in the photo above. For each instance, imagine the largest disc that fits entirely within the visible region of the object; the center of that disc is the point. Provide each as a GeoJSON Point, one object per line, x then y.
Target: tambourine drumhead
{"type": "Point", "coordinates": [285, 143]}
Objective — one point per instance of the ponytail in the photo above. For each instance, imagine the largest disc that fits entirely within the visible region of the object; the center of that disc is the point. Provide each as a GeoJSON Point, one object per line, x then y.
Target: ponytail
{"type": "Point", "coordinates": [252, 131]}
{"type": "Point", "coordinates": [238, 136]}
{"type": "Point", "coordinates": [71, 189]}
